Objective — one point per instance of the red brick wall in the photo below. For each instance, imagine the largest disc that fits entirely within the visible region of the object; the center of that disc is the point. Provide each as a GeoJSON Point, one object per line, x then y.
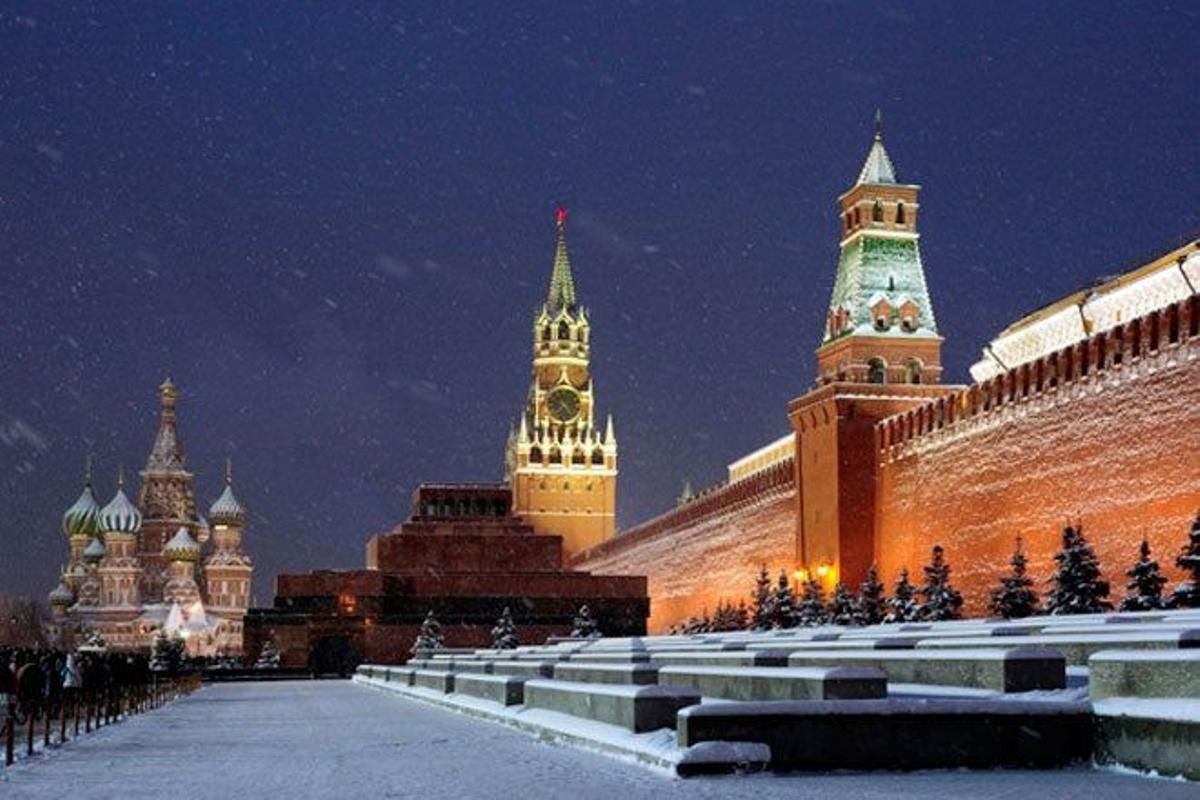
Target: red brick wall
{"type": "Point", "coordinates": [708, 550]}
{"type": "Point", "coordinates": [1117, 448]}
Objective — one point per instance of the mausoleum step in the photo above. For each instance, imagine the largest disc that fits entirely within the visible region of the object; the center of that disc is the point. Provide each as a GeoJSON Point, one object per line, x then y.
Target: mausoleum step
{"type": "Point", "coordinates": [507, 690]}
{"type": "Point", "coordinates": [1018, 669]}
{"type": "Point", "coordinates": [593, 672]}
{"type": "Point", "coordinates": [635, 708]}
{"type": "Point", "coordinates": [474, 668]}
{"type": "Point", "coordinates": [898, 734]}
{"type": "Point", "coordinates": [778, 683]}
{"type": "Point", "coordinates": [1145, 673]}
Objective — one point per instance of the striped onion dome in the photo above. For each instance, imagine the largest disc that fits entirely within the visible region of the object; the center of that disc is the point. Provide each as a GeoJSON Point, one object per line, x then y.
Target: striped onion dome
{"type": "Point", "coordinates": [182, 547]}
{"type": "Point", "coordinates": [61, 596]}
{"type": "Point", "coordinates": [227, 510]}
{"type": "Point", "coordinates": [120, 515]}
{"type": "Point", "coordinates": [94, 551]}
{"type": "Point", "coordinates": [81, 518]}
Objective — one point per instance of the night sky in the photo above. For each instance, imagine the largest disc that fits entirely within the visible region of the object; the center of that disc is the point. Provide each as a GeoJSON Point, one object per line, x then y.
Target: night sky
{"type": "Point", "coordinates": [332, 228]}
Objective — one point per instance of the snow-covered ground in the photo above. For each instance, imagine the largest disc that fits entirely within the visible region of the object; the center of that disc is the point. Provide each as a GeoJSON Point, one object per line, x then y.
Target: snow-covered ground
{"type": "Point", "coordinates": [336, 739]}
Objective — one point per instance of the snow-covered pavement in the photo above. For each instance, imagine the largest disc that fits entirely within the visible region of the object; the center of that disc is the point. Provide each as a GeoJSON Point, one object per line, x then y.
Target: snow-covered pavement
{"type": "Point", "coordinates": [339, 740]}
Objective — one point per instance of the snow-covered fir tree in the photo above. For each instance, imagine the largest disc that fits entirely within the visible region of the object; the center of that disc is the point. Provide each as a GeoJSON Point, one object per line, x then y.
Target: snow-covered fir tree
{"type": "Point", "coordinates": [1187, 593]}
{"type": "Point", "coordinates": [504, 635]}
{"type": "Point", "coordinates": [1144, 592]}
{"type": "Point", "coordinates": [870, 599]}
{"type": "Point", "coordinates": [166, 654]}
{"type": "Point", "coordinates": [764, 601]}
{"type": "Point", "coordinates": [430, 636]}
{"type": "Point", "coordinates": [785, 603]}
{"type": "Point", "coordinates": [843, 607]}
{"type": "Point", "coordinates": [940, 600]}
{"type": "Point", "coordinates": [811, 611]}
{"type": "Point", "coordinates": [741, 616]}
{"type": "Point", "coordinates": [268, 657]}
{"type": "Point", "coordinates": [1015, 598]}
{"type": "Point", "coordinates": [902, 606]}
{"type": "Point", "coordinates": [1077, 585]}
{"type": "Point", "coordinates": [720, 618]}
{"type": "Point", "coordinates": [585, 627]}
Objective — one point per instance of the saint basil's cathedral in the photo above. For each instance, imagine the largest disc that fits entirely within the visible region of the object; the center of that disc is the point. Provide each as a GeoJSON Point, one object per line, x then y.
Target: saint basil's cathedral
{"type": "Point", "coordinates": [136, 569]}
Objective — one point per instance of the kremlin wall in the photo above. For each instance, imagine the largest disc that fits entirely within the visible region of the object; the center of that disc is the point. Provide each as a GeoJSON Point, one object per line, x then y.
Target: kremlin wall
{"type": "Point", "coordinates": [1086, 410]}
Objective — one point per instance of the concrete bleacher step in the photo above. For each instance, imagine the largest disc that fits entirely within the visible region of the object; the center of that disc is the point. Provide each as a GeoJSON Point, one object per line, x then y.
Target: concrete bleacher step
{"type": "Point", "coordinates": [1017, 669]}
{"type": "Point", "coordinates": [614, 657]}
{"type": "Point", "coordinates": [634, 708]}
{"type": "Point", "coordinates": [1145, 673]}
{"type": "Point", "coordinates": [507, 690]}
{"type": "Point", "coordinates": [527, 669]}
{"type": "Point", "coordinates": [898, 734]}
{"type": "Point", "coordinates": [734, 658]}
{"type": "Point", "coordinates": [1078, 647]}
{"type": "Point", "coordinates": [586, 672]}
{"type": "Point", "coordinates": [893, 642]}
{"type": "Point", "coordinates": [437, 680]}
{"type": "Point", "coordinates": [777, 683]}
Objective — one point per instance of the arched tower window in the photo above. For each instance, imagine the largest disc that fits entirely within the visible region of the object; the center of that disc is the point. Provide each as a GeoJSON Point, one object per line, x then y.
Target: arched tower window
{"type": "Point", "coordinates": [564, 330]}
{"type": "Point", "coordinates": [877, 212]}
{"type": "Point", "coordinates": [598, 456]}
{"type": "Point", "coordinates": [876, 371]}
{"type": "Point", "coordinates": [546, 333]}
{"type": "Point", "coordinates": [915, 368]}
{"type": "Point", "coordinates": [900, 216]}
{"type": "Point", "coordinates": [535, 455]}
{"type": "Point", "coordinates": [555, 456]}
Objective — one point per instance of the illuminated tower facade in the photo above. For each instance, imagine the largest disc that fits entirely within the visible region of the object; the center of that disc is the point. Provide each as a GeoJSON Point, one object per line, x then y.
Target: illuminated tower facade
{"type": "Point", "coordinates": [562, 467]}
{"type": "Point", "coordinates": [880, 326]}
{"type": "Point", "coordinates": [880, 354]}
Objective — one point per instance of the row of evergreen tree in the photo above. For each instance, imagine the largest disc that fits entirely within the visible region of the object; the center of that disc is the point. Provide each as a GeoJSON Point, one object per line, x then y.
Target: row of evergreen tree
{"type": "Point", "coordinates": [504, 634]}
{"type": "Point", "coordinates": [1076, 588]}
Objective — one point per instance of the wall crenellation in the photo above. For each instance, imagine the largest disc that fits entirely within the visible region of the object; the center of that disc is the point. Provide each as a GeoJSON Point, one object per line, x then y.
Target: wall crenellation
{"type": "Point", "coordinates": [720, 499]}
{"type": "Point", "coordinates": [1160, 335]}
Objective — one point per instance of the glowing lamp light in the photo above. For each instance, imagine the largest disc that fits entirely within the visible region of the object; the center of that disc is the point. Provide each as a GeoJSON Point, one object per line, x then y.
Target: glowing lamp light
{"type": "Point", "coordinates": [800, 575]}
{"type": "Point", "coordinates": [822, 570]}
{"type": "Point", "coordinates": [561, 216]}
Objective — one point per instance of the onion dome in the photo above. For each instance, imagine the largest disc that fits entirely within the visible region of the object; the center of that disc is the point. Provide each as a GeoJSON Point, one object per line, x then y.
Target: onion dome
{"type": "Point", "coordinates": [182, 547]}
{"type": "Point", "coordinates": [227, 510]}
{"type": "Point", "coordinates": [81, 518]}
{"type": "Point", "coordinates": [61, 596]}
{"type": "Point", "coordinates": [95, 551]}
{"type": "Point", "coordinates": [120, 515]}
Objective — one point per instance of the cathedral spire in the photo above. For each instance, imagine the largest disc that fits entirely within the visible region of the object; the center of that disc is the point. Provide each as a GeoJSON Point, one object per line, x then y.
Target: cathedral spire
{"type": "Point", "coordinates": [562, 285]}
{"type": "Point", "coordinates": [166, 455]}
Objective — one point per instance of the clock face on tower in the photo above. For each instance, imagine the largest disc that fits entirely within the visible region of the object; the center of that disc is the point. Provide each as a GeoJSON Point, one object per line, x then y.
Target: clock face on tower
{"type": "Point", "coordinates": [563, 404]}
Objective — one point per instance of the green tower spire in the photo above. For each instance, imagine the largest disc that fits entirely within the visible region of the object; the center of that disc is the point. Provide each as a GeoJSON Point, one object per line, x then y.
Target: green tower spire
{"type": "Point", "coordinates": [562, 285]}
